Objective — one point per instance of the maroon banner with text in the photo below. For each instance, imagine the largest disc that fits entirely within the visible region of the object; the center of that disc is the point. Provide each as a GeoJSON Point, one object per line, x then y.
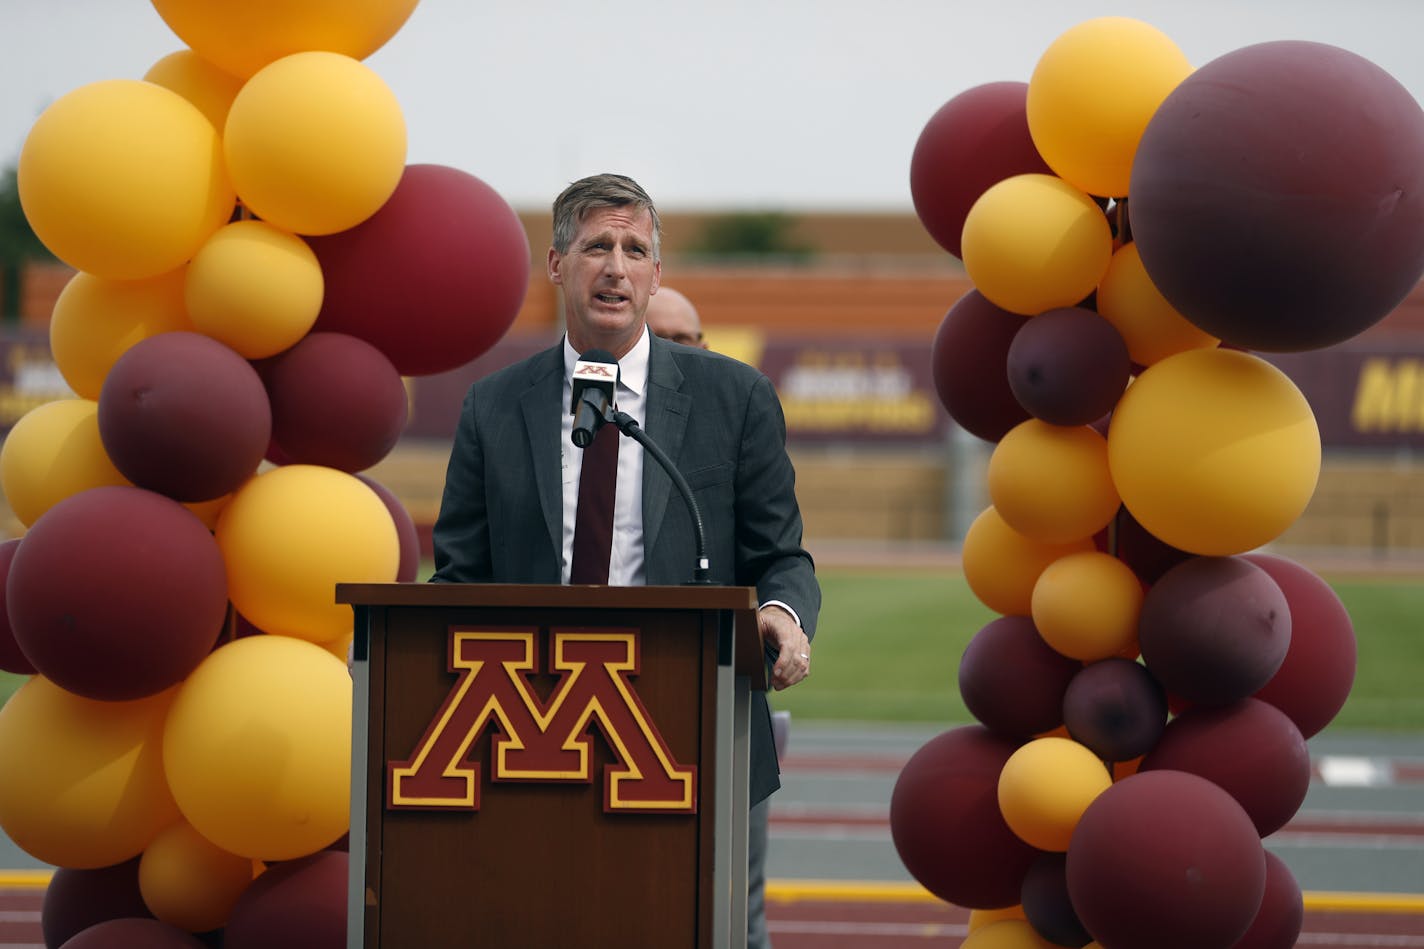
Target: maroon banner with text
{"type": "Point", "coordinates": [1365, 394]}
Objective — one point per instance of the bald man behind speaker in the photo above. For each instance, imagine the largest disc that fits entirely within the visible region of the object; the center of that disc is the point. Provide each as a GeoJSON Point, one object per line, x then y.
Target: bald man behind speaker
{"type": "Point", "coordinates": [672, 316]}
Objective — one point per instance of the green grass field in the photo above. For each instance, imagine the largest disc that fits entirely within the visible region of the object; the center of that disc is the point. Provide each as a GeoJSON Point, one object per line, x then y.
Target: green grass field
{"type": "Point", "coordinates": [889, 644]}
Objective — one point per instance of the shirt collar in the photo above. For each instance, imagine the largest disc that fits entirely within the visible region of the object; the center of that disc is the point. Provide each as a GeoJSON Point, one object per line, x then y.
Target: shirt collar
{"type": "Point", "coordinates": [632, 368]}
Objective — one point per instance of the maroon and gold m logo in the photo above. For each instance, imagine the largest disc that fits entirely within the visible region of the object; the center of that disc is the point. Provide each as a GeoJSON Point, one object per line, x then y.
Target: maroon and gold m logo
{"type": "Point", "coordinates": [543, 740]}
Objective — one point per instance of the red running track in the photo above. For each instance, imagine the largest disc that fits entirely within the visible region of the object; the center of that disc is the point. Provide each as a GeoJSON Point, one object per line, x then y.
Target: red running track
{"type": "Point", "coordinates": [809, 924]}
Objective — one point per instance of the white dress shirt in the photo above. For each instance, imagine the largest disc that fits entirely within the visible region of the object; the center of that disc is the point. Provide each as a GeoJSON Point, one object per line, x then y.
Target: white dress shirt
{"type": "Point", "coordinates": [625, 567]}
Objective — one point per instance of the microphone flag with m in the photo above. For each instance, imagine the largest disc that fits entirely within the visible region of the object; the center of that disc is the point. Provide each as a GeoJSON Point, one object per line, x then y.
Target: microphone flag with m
{"type": "Point", "coordinates": [594, 379]}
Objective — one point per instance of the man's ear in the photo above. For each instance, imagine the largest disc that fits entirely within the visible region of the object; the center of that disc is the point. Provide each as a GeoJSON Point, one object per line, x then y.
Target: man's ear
{"type": "Point", "coordinates": [555, 259]}
{"type": "Point", "coordinates": [657, 275]}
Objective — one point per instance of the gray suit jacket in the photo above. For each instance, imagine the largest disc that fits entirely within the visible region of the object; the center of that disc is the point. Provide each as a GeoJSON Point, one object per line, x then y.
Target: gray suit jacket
{"type": "Point", "coordinates": [501, 516]}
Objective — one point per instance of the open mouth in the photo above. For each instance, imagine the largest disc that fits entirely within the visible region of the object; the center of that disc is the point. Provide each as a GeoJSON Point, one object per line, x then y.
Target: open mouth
{"type": "Point", "coordinates": [612, 299]}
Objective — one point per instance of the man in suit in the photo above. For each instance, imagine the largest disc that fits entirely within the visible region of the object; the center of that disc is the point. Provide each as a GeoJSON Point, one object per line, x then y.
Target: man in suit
{"type": "Point", "coordinates": [511, 490]}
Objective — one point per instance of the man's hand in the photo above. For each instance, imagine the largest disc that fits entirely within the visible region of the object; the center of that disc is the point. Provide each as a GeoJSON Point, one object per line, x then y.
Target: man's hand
{"type": "Point", "coordinates": [793, 661]}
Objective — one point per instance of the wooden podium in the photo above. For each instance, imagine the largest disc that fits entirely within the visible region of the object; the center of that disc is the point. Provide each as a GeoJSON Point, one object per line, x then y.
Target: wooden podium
{"type": "Point", "coordinates": [550, 766]}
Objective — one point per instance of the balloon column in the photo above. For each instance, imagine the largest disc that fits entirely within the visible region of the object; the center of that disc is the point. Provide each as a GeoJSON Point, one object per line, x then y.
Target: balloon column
{"type": "Point", "coordinates": [1134, 229]}
{"type": "Point", "coordinates": [257, 268]}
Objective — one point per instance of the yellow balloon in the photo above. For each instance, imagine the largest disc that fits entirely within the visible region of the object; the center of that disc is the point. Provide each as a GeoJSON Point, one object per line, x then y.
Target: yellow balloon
{"type": "Point", "coordinates": [189, 882]}
{"type": "Point", "coordinates": [199, 81]}
{"type": "Point", "coordinates": [1214, 451]}
{"type": "Point", "coordinates": [979, 918]}
{"type": "Point", "coordinates": [1001, 565]}
{"type": "Point", "coordinates": [97, 320]}
{"type": "Point", "coordinates": [290, 535]}
{"type": "Point", "coordinates": [1044, 788]}
{"type": "Point", "coordinates": [1151, 327]}
{"type": "Point", "coordinates": [315, 143]}
{"type": "Point", "coordinates": [255, 287]}
{"type": "Point", "coordinates": [1034, 242]}
{"type": "Point", "coordinates": [123, 179]}
{"type": "Point", "coordinates": [257, 748]}
{"type": "Point", "coordinates": [82, 784]}
{"type": "Point", "coordinates": [54, 451]}
{"type": "Point", "coordinates": [1086, 606]}
{"type": "Point", "coordinates": [241, 38]}
{"type": "Point", "coordinates": [1006, 934]}
{"type": "Point", "coordinates": [1051, 482]}
{"type": "Point", "coordinates": [340, 647]}
{"type": "Point", "coordinates": [1092, 94]}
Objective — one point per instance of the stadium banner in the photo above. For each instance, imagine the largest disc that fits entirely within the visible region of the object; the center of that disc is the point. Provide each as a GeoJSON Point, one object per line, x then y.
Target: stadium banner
{"type": "Point", "coordinates": [831, 390]}
{"type": "Point", "coordinates": [1366, 394]}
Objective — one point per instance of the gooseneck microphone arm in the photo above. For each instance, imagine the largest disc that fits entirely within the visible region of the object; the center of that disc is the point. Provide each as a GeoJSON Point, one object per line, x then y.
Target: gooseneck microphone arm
{"type": "Point", "coordinates": [629, 426]}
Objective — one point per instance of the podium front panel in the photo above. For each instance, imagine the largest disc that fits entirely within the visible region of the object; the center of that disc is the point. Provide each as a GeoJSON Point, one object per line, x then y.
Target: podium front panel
{"type": "Point", "coordinates": [542, 775]}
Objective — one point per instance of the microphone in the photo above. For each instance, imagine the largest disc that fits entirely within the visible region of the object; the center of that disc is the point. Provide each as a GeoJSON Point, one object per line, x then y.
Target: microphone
{"type": "Point", "coordinates": [595, 376]}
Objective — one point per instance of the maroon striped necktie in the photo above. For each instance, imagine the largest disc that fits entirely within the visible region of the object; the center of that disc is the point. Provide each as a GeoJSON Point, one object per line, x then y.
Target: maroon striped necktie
{"type": "Point", "coordinates": [593, 520]}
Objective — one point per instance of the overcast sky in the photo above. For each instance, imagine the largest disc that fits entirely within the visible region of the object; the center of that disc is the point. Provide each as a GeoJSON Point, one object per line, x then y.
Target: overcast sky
{"type": "Point", "coordinates": [793, 104]}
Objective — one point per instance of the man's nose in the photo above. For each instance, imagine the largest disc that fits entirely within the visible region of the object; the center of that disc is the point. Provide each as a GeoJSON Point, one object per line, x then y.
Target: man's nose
{"type": "Point", "coordinates": [616, 262]}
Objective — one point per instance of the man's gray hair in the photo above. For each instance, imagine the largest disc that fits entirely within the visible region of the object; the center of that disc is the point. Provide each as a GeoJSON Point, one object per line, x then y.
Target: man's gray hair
{"type": "Point", "coordinates": [600, 191]}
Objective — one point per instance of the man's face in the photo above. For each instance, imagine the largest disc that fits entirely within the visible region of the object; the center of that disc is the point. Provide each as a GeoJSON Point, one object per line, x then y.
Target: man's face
{"type": "Point", "coordinates": [608, 275]}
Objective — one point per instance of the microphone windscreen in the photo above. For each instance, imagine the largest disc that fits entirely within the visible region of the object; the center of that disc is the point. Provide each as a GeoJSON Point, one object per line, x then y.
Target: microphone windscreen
{"type": "Point", "coordinates": [597, 355]}
{"type": "Point", "coordinates": [596, 365]}
{"type": "Point", "coordinates": [596, 369]}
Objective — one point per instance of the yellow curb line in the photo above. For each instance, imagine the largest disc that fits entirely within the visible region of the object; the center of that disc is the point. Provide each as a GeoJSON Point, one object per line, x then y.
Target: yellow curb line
{"type": "Point", "coordinates": [25, 879]}
{"type": "Point", "coordinates": [866, 891]}
{"type": "Point", "coordinates": [862, 891]}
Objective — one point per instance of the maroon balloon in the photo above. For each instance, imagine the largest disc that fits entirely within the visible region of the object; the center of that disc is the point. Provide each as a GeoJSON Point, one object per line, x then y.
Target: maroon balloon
{"type": "Point", "coordinates": [1148, 555]}
{"type": "Point", "coordinates": [274, 451]}
{"type": "Point", "coordinates": [968, 360]}
{"type": "Point", "coordinates": [1214, 629]}
{"type": "Point", "coordinates": [11, 658]}
{"type": "Point", "coordinates": [1282, 914]}
{"type": "Point", "coordinates": [975, 140]}
{"type": "Point", "coordinates": [1068, 366]}
{"type": "Point", "coordinates": [1250, 749]}
{"type": "Point", "coordinates": [409, 567]}
{"type": "Point", "coordinates": [1278, 196]}
{"type": "Point", "coordinates": [1165, 860]}
{"type": "Point", "coordinates": [1115, 708]}
{"type": "Point", "coordinates": [434, 278]}
{"type": "Point", "coordinates": [336, 401]}
{"type": "Point", "coordinates": [133, 934]}
{"type": "Point", "coordinates": [1012, 681]}
{"type": "Point", "coordinates": [296, 904]}
{"type": "Point", "coordinates": [1314, 681]}
{"type": "Point", "coordinates": [1046, 904]}
{"type": "Point", "coordinates": [117, 593]}
{"type": "Point", "coordinates": [946, 824]}
{"type": "Point", "coordinates": [74, 900]}
{"type": "Point", "coordinates": [184, 415]}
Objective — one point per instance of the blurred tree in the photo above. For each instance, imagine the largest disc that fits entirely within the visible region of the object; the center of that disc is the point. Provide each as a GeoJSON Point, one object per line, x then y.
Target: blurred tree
{"type": "Point", "coordinates": [752, 234]}
{"type": "Point", "coordinates": [18, 244]}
